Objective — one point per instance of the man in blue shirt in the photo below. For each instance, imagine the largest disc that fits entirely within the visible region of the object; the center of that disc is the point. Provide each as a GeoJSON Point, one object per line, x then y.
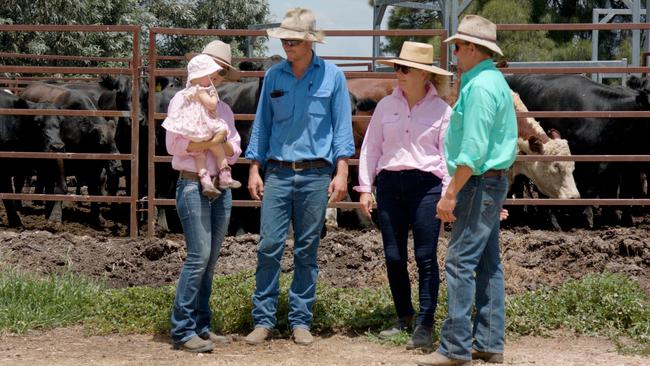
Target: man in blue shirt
{"type": "Point", "coordinates": [302, 133]}
{"type": "Point", "coordinates": [480, 146]}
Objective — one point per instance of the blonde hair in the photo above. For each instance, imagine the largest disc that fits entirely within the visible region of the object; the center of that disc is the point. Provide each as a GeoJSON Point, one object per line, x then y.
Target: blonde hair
{"type": "Point", "coordinates": [442, 84]}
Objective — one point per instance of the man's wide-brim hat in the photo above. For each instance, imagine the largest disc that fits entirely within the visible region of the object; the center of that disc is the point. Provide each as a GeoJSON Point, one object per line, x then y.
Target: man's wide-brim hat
{"type": "Point", "coordinates": [417, 55]}
{"type": "Point", "coordinates": [478, 30]}
{"type": "Point", "coordinates": [298, 23]}
{"type": "Point", "coordinates": [221, 53]}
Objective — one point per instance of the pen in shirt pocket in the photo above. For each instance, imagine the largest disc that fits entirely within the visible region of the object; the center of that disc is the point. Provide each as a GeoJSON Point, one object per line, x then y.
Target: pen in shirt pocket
{"type": "Point", "coordinates": [277, 93]}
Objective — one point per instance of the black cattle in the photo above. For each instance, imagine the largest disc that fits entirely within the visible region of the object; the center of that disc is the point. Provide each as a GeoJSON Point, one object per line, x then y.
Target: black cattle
{"type": "Point", "coordinates": [81, 134]}
{"type": "Point", "coordinates": [27, 133]}
{"type": "Point", "coordinates": [638, 83]}
{"type": "Point", "coordinates": [591, 136]}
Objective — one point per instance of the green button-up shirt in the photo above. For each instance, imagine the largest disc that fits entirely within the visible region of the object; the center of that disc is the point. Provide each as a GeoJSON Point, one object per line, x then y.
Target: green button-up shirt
{"type": "Point", "coordinates": [482, 132]}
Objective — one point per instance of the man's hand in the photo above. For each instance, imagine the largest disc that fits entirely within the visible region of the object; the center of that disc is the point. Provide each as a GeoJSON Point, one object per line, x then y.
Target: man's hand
{"type": "Point", "coordinates": [445, 209]}
{"type": "Point", "coordinates": [255, 183]}
{"type": "Point", "coordinates": [503, 214]}
{"type": "Point", "coordinates": [366, 200]}
{"type": "Point", "coordinates": [338, 187]}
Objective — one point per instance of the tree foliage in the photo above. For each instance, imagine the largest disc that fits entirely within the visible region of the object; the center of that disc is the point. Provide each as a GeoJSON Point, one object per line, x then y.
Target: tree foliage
{"type": "Point", "coordinates": [527, 46]}
{"type": "Point", "coordinates": [206, 14]}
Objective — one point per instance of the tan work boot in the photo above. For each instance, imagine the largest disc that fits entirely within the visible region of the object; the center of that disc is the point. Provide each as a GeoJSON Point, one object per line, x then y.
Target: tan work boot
{"type": "Point", "coordinates": [488, 357]}
{"type": "Point", "coordinates": [196, 345]}
{"type": "Point", "coordinates": [302, 336]}
{"type": "Point", "coordinates": [216, 339]}
{"type": "Point", "coordinates": [438, 359]}
{"type": "Point", "coordinates": [257, 336]}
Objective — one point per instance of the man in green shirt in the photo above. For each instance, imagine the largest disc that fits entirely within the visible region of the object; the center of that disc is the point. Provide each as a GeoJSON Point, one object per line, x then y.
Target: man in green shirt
{"type": "Point", "coordinates": [480, 145]}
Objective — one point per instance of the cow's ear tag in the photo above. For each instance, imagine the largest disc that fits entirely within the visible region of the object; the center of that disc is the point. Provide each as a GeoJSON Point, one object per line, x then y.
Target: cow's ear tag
{"type": "Point", "coordinates": [158, 87]}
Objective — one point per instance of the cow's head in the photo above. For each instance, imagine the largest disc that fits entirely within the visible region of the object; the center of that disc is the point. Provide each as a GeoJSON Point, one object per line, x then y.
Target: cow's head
{"type": "Point", "coordinates": [48, 129]}
{"type": "Point", "coordinates": [553, 178]}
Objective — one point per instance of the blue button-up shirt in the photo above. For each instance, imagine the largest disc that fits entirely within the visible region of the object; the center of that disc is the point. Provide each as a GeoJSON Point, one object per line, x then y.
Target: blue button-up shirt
{"type": "Point", "coordinates": [302, 119]}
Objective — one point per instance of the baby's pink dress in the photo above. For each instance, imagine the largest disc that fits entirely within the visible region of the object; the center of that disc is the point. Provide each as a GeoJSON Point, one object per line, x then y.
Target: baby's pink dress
{"type": "Point", "coordinates": [190, 118]}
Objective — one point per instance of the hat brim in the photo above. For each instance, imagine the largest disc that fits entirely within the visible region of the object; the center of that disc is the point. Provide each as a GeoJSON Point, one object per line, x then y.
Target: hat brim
{"type": "Point", "coordinates": [232, 73]}
{"type": "Point", "coordinates": [416, 65]}
{"type": "Point", "coordinates": [485, 43]}
{"type": "Point", "coordinates": [283, 33]}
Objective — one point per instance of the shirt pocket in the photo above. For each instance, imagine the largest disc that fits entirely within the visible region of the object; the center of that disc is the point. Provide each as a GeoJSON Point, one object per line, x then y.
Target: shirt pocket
{"type": "Point", "coordinates": [282, 108]}
{"type": "Point", "coordinates": [391, 127]}
{"type": "Point", "coordinates": [426, 130]}
{"type": "Point", "coordinates": [319, 103]}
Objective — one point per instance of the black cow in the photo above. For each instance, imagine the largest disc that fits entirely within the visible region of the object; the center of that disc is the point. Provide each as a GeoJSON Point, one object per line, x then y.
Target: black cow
{"type": "Point", "coordinates": [27, 133]}
{"type": "Point", "coordinates": [81, 134]}
{"type": "Point", "coordinates": [591, 136]}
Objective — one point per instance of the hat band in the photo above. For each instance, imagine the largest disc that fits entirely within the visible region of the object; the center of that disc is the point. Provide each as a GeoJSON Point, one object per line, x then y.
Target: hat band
{"type": "Point", "coordinates": [312, 31]}
{"type": "Point", "coordinates": [479, 37]}
{"type": "Point", "coordinates": [219, 58]}
{"type": "Point", "coordinates": [406, 59]}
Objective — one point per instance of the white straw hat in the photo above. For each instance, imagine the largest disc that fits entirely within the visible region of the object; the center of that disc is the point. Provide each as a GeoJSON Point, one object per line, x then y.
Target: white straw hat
{"type": "Point", "coordinates": [298, 23]}
{"type": "Point", "coordinates": [221, 53]}
{"type": "Point", "coordinates": [478, 30]}
{"type": "Point", "coordinates": [417, 55]}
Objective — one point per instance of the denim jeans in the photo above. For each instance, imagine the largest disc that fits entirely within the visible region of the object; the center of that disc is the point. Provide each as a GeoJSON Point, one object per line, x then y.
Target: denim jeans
{"type": "Point", "coordinates": [408, 198]}
{"type": "Point", "coordinates": [474, 271]}
{"type": "Point", "coordinates": [204, 224]}
{"type": "Point", "coordinates": [301, 198]}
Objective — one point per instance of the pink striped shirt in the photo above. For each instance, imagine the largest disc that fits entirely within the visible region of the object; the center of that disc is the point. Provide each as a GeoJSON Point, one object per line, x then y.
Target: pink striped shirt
{"type": "Point", "coordinates": [177, 144]}
{"type": "Point", "coordinates": [399, 138]}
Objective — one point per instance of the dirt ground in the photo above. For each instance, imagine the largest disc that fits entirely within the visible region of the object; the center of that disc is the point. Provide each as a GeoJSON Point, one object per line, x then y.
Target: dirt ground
{"type": "Point", "coordinates": [532, 258]}
{"type": "Point", "coordinates": [67, 347]}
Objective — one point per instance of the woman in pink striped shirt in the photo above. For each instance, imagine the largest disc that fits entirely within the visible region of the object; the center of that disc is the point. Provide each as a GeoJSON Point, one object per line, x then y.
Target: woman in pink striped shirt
{"type": "Point", "coordinates": [402, 153]}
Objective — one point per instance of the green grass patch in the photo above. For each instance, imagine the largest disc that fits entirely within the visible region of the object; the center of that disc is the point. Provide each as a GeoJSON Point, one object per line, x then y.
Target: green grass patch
{"type": "Point", "coordinates": [600, 304]}
{"type": "Point", "coordinates": [27, 302]}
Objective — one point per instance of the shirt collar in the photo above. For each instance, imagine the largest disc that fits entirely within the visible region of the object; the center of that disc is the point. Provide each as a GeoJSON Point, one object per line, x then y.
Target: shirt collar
{"type": "Point", "coordinates": [486, 64]}
{"type": "Point", "coordinates": [315, 62]}
{"type": "Point", "coordinates": [431, 91]}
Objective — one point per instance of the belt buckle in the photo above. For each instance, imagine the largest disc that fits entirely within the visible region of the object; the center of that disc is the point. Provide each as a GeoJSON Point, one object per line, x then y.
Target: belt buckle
{"type": "Point", "coordinates": [295, 167]}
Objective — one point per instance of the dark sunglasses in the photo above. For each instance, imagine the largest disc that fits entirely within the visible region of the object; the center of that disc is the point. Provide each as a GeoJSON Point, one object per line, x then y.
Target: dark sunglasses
{"type": "Point", "coordinates": [401, 68]}
{"type": "Point", "coordinates": [222, 72]}
{"type": "Point", "coordinates": [291, 42]}
{"type": "Point", "coordinates": [456, 46]}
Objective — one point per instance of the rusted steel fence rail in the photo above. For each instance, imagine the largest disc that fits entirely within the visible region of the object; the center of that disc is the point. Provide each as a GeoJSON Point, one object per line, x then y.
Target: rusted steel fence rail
{"type": "Point", "coordinates": [132, 70]}
{"type": "Point", "coordinates": [154, 118]}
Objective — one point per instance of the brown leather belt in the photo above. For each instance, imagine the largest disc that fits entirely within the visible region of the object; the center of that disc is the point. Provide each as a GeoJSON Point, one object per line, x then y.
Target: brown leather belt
{"type": "Point", "coordinates": [301, 165]}
{"type": "Point", "coordinates": [188, 175]}
{"type": "Point", "coordinates": [494, 173]}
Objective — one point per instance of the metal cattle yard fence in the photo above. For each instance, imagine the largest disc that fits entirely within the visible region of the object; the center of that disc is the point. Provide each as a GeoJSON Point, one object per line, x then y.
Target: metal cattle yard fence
{"type": "Point", "coordinates": [132, 69]}
{"type": "Point", "coordinates": [154, 119]}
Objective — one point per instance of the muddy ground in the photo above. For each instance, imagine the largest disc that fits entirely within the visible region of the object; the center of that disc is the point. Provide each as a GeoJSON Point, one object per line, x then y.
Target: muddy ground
{"type": "Point", "coordinates": [532, 258]}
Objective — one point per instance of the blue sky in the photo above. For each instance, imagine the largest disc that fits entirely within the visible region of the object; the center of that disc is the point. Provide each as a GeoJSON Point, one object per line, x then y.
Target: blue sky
{"type": "Point", "coordinates": [331, 14]}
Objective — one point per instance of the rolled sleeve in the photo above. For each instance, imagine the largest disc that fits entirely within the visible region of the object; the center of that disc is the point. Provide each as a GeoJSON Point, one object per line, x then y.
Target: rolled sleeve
{"type": "Point", "coordinates": [176, 144]}
{"type": "Point", "coordinates": [258, 144]}
{"type": "Point", "coordinates": [370, 152]}
{"type": "Point", "coordinates": [478, 119]}
{"type": "Point", "coordinates": [441, 145]}
{"type": "Point", "coordinates": [233, 135]}
{"type": "Point", "coordinates": [342, 142]}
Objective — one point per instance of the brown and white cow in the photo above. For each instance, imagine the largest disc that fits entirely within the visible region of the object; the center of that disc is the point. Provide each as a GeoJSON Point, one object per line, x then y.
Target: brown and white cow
{"type": "Point", "coordinates": [553, 178]}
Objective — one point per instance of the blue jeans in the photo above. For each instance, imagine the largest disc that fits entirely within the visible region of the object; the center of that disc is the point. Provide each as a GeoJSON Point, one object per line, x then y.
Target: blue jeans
{"type": "Point", "coordinates": [407, 199]}
{"type": "Point", "coordinates": [474, 271]}
{"type": "Point", "coordinates": [300, 198]}
{"type": "Point", "coordinates": [204, 224]}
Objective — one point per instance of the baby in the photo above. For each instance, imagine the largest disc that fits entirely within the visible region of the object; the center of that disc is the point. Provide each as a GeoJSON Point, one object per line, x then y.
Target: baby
{"type": "Point", "coordinates": [198, 120]}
